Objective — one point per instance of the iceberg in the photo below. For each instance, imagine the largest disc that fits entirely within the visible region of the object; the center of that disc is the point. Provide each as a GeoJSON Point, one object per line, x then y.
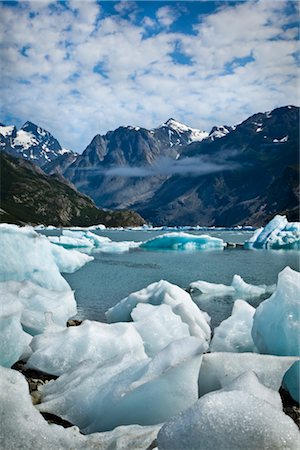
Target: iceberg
{"type": "Point", "coordinates": [60, 351]}
{"type": "Point", "coordinates": [230, 419]}
{"type": "Point", "coordinates": [276, 325]}
{"type": "Point", "coordinates": [219, 369]}
{"type": "Point", "coordinates": [23, 427]}
{"type": "Point", "coordinates": [277, 234]}
{"type": "Point", "coordinates": [238, 287]}
{"type": "Point", "coordinates": [37, 303]}
{"type": "Point", "coordinates": [68, 261]}
{"type": "Point", "coordinates": [234, 333]}
{"type": "Point", "coordinates": [99, 397]}
{"type": "Point", "coordinates": [26, 255]}
{"type": "Point", "coordinates": [87, 242]}
{"type": "Point", "coordinates": [14, 341]}
{"type": "Point", "coordinates": [163, 292]}
{"type": "Point", "coordinates": [183, 241]}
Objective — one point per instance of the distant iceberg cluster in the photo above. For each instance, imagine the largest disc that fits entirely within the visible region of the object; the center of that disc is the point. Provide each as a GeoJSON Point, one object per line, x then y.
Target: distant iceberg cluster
{"type": "Point", "coordinates": [156, 370]}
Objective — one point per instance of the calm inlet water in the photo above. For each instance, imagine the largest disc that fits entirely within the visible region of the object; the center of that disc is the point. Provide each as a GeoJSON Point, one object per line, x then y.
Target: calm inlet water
{"type": "Point", "coordinates": [111, 277]}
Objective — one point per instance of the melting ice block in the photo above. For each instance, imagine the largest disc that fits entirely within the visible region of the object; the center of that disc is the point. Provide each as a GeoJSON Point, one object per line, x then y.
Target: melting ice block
{"type": "Point", "coordinates": [26, 255]}
{"type": "Point", "coordinates": [37, 301]}
{"type": "Point", "coordinates": [23, 427]}
{"type": "Point", "coordinates": [99, 397]}
{"type": "Point", "coordinates": [183, 241]}
{"type": "Point", "coordinates": [219, 369]}
{"type": "Point", "coordinates": [238, 287]}
{"type": "Point", "coordinates": [276, 325]}
{"type": "Point", "coordinates": [58, 352]}
{"type": "Point", "coordinates": [232, 420]}
{"type": "Point", "coordinates": [277, 234]}
{"type": "Point", "coordinates": [234, 333]}
{"type": "Point", "coordinates": [14, 341]}
{"type": "Point", "coordinates": [166, 293]}
{"type": "Point", "coordinates": [158, 326]}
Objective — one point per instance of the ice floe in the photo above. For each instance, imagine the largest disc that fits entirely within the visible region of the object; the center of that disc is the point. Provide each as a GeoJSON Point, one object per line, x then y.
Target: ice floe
{"type": "Point", "coordinates": [277, 234]}
{"type": "Point", "coordinates": [238, 287]}
{"type": "Point", "coordinates": [276, 326]}
{"type": "Point", "coordinates": [230, 419]}
{"type": "Point", "coordinates": [99, 397]}
{"type": "Point", "coordinates": [183, 241]}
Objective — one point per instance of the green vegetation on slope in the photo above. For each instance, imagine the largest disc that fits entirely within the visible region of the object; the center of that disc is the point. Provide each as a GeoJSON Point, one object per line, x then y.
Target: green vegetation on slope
{"type": "Point", "coordinates": [29, 196]}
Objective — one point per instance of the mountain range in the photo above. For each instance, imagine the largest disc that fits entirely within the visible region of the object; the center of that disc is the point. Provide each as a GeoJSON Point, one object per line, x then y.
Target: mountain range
{"type": "Point", "coordinates": [175, 174]}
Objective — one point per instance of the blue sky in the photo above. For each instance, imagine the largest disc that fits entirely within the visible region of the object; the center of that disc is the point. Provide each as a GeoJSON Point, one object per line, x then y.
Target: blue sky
{"type": "Point", "coordinates": [79, 68]}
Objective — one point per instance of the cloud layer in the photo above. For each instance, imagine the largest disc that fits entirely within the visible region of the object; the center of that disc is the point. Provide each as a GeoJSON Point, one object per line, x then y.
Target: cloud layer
{"type": "Point", "coordinates": [81, 68]}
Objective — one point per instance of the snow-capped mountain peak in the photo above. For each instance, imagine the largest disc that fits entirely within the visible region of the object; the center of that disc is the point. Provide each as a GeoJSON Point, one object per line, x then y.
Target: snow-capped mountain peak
{"type": "Point", "coordinates": [191, 134]}
{"type": "Point", "coordinates": [220, 131]}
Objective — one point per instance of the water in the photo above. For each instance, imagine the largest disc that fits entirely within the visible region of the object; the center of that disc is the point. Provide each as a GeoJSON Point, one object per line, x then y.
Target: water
{"type": "Point", "coordinates": [111, 277]}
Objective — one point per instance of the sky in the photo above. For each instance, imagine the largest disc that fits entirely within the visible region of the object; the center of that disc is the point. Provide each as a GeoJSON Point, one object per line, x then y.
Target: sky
{"type": "Point", "coordinates": [79, 68]}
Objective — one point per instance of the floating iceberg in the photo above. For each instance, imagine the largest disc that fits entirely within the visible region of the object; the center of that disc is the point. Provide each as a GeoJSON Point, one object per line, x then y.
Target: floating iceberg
{"type": "Point", "coordinates": [58, 352]}
{"type": "Point", "coordinates": [219, 369]}
{"type": "Point", "coordinates": [99, 397]}
{"type": "Point", "coordinates": [23, 427]}
{"type": "Point", "coordinates": [183, 241]}
{"type": "Point", "coordinates": [276, 326]}
{"type": "Point", "coordinates": [277, 234]}
{"type": "Point", "coordinates": [238, 287]}
{"type": "Point", "coordinates": [163, 292]}
{"type": "Point", "coordinates": [14, 341]}
{"type": "Point", "coordinates": [230, 419]}
{"type": "Point", "coordinates": [87, 242]}
{"type": "Point", "coordinates": [68, 261]}
{"type": "Point", "coordinates": [26, 255]}
{"type": "Point", "coordinates": [234, 333]}
{"type": "Point", "coordinates": [37, 301]}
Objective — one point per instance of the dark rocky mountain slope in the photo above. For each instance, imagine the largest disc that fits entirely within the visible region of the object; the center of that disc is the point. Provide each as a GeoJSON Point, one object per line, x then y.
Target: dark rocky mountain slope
{"type": "Point", "coordinates": [29, 196]}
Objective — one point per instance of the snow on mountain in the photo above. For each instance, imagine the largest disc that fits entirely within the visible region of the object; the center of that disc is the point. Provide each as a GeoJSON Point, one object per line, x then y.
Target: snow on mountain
{"type": "Point", "coordinates": [180, 129]}
{"type": "Point", "coordinates": [219, 132]}
{"type": "Point", "coordinates": [31, 142]}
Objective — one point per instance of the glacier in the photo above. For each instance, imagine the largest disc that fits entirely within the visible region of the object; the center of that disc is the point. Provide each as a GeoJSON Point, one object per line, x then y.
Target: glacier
{"type": "Point", "coordinates": [183, 241]}
{"type": "Point", "coordinates": [276, 325]}
{"type": "Point", "coordinates": [277, 234]}
{"type": "Point", "coordinates": [244, 415]}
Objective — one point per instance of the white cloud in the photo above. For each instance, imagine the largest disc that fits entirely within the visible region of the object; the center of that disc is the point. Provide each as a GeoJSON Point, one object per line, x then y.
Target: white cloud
{"type": "Point", "coordinates": [77, 72]}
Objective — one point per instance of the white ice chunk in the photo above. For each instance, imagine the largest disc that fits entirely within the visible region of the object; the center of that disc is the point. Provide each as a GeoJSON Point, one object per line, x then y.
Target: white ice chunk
{"type": "Point", "coordinates": [68, 261]}
{"type": "Point", "coordinates": [234, 333]}
{"type": "Point", "coordinates": [183, 241]}
{"type": "Point", "coordinates": [249, 382]}
{"type": "Point", "coordinates": [14, 341]}
{"type": "Point", "coordinates": [97, 397]}
{"type": "Point", "coordinates": [238, 287]}
{"type": "Point", "coordinates": [158, 326]}
{"type": "Point", "coordinates": [26, 255]}
{"type": "Point", "coordinates": [219, 369]}
{"type": "Point", "coordinates": [163, 292]}
{"type": "Point", "coordinates": [230, 421]}
{"type": "Point", "coordinates": [277, 234]}
{"type": "Point", "coordinates": [276, 326]}
{"type": "Point", "coordinates": [58, 352]}
{"type": "Point", "coordinates": [36, 301]}
{"type": "Point", "coordinates": [23, 427]}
